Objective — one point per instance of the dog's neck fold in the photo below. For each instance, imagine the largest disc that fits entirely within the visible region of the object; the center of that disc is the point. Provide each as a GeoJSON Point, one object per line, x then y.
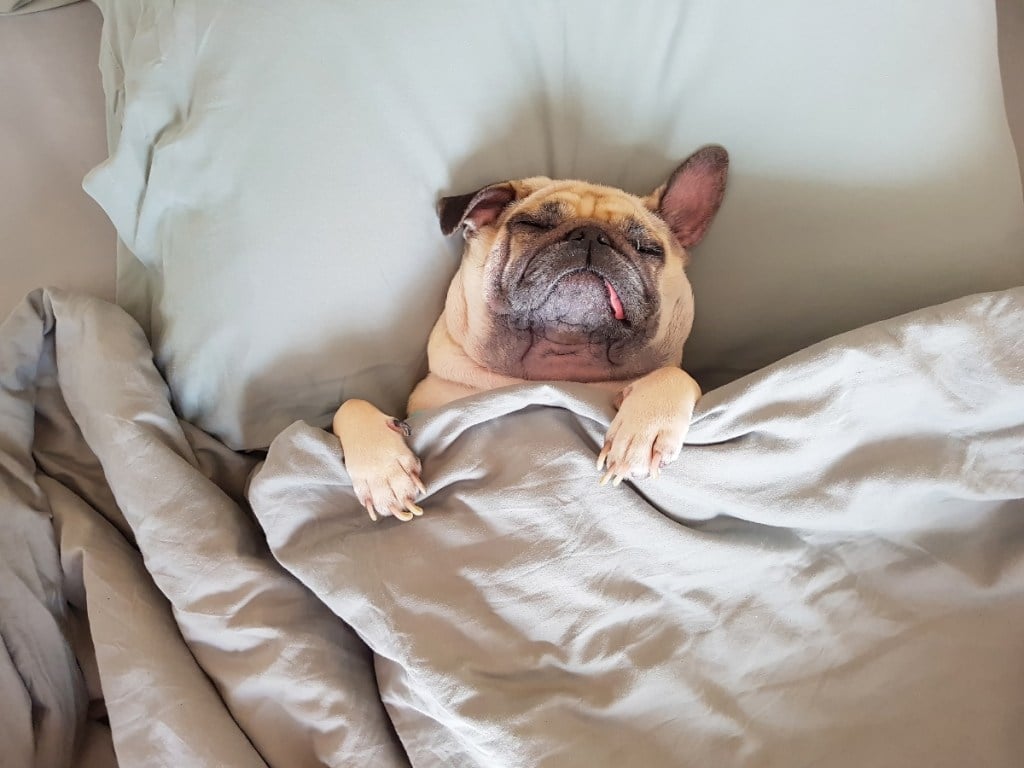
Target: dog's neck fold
{"type": "Point", "coordinates": [455, 371]}
{"type": "Point", "coordinates": [447, 355]}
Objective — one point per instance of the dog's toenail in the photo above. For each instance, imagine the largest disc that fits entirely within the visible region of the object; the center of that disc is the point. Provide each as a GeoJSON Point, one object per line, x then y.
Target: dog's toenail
{"type": "Point", "coordinates": [400, 426]}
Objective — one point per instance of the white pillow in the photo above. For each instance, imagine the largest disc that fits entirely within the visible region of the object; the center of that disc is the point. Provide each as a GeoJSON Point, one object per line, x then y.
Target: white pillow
{"type": "Point", "coordinates": [278, 167]}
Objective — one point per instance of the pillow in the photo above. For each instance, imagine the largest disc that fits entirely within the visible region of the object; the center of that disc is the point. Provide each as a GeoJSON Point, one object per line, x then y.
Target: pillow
{"type": "Point", "coordinates": [276, 172]}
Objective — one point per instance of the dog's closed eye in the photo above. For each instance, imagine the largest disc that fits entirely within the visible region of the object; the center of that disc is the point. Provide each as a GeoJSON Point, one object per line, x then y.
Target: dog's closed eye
{"type": "Point", "coordinates": [642, 238]}
{"type": "Point", "coordinates": [651, 249]}
{"type": "Point", "coordinates": [540, 225]}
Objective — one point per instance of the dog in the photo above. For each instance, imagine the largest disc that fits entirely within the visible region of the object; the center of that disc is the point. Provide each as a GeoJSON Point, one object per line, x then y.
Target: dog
{"type": "Point", "coordinates": [559, 281]}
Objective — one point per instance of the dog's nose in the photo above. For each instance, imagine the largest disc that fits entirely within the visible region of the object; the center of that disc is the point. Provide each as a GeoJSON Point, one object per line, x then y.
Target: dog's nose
{"type": "Point", "coordinates": [589, 234]}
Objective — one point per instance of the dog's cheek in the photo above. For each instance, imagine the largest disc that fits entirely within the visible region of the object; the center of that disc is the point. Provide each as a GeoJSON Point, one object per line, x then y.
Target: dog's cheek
{"type": "Point", "coordinates": [495, 264]}
{"type": "Point", "coordinates": [676, 321]}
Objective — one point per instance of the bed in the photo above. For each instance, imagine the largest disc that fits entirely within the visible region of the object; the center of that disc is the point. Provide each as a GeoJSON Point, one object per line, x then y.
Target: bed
{"type": "Point", "coordinates": [832, 573]}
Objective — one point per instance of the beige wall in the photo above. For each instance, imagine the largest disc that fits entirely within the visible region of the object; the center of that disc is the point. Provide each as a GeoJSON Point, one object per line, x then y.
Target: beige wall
{"type": "Point", "coordinates": [1011, 59]}
{"type": "Point", "coordinates": [51, 133]}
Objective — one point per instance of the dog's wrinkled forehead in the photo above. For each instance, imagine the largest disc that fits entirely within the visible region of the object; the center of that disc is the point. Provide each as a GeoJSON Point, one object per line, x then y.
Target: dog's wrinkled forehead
{"type": "Point", "coordinates": [562, 201]}
{"type": "Point", "coordinates": [589, 202]}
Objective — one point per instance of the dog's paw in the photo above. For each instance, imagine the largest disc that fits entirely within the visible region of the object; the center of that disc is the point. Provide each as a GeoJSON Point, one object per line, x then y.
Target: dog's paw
{"type": "Point", "coordinates": [648, 431]}
{"type": "Point", "coordinates": [385, 472]}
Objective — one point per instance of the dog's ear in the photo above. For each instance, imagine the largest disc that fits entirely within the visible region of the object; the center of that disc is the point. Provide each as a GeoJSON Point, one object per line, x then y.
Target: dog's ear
{"type": "Point", "coordinates": [475, 210]}
{"type": "Point", "coordinates": [690, 198]}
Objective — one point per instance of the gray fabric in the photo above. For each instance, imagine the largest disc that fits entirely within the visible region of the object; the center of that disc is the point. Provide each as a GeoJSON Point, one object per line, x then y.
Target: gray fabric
{"type": "Point", "coordinates": [276, 200]}
{"type": "Point", "coordinates": [832, 574]}
{"type": "Point", "coordinates": [14, 7]}
{"type": "Point", "coordinates": [216, 656]}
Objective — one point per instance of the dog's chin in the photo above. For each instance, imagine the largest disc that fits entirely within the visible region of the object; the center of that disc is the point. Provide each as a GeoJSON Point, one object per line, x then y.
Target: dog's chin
{"type": "Point", "coordinates": [578, 309]}
{"type": "Point", "coordinates": [570, 314]}
{"type": "Point", "coordinates": [574, 331]}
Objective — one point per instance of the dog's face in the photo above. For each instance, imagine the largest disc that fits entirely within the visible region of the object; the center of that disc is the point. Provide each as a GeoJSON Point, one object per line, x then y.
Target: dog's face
{"type": "Point", "coordinates": [567, 280]}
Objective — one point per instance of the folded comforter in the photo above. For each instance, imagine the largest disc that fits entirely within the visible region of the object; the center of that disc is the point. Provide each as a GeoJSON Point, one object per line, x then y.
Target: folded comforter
{"type": "Point", "coordinates": [831, 574]}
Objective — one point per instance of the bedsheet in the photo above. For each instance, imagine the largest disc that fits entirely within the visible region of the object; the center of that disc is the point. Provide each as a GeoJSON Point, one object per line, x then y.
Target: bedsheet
{"type": "Point", "coordinates": [831, 574]}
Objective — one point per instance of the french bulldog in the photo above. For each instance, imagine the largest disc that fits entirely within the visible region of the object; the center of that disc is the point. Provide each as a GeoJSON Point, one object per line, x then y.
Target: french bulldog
{"type": "Point", "coordinates": [559, 281]}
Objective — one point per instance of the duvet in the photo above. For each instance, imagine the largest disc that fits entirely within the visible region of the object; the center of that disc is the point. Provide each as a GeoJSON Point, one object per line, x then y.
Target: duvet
{"type": "Point", "coordinates": [832, 574]}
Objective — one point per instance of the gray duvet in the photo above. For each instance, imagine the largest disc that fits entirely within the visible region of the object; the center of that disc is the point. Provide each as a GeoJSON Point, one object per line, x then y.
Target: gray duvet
{"type": "Point", "coordinates": [831, 575]}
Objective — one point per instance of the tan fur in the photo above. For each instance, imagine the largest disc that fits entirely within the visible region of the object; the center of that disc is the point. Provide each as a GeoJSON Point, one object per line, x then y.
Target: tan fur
{"type": "Point", "coordinates": [654, 407]}
{"type": "Point", "coordinates": [454, 349]}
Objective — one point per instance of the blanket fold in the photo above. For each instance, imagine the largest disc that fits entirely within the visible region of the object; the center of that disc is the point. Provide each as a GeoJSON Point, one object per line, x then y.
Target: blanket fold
{"type": "Point", "coordinates": [842, 531]}
{"type": "Point", "coordinates": [209, 653]}
{"type": "Point", "coordinates": [832, 573]}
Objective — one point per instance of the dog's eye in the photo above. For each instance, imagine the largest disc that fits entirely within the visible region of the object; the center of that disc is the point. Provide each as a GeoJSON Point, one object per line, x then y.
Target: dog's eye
{"type": "Point", "coordinates": [650, 249]}
{"type": "Point", "coordinates": [535, 224]}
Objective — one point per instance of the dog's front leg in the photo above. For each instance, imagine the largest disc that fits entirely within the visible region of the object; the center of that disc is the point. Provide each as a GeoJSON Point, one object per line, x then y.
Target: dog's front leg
{"type": "Point", "coordinates": [648, 431]}
{"type": "Point", "coordinates": [385, 472]}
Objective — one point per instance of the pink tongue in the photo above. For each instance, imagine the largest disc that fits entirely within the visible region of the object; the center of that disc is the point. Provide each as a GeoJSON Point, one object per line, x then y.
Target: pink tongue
{"type": "Point", "coordinates": [613, 299]}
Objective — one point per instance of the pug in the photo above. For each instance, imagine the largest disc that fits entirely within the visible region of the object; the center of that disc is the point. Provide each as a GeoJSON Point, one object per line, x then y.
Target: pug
{"type": "Point", "coordinates": [559, 281]}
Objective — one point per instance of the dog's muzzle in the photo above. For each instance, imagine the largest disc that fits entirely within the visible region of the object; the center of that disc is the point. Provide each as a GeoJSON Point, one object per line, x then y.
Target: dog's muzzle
{"type": "Point", "coordinates": [580, 283]}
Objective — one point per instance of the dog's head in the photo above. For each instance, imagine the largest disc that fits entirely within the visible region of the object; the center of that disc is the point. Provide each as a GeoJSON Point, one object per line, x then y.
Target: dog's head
{"type": "Point", "coordinates": [574, 281]}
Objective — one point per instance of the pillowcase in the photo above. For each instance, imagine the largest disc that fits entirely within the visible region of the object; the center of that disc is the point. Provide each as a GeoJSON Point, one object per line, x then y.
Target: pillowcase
{"type": "Point", "coordinates": [276, 172]}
